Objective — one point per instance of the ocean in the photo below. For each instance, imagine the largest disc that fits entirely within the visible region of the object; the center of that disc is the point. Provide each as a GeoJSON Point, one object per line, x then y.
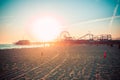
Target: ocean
{"type": "Point", "coordinates": [13, 46]}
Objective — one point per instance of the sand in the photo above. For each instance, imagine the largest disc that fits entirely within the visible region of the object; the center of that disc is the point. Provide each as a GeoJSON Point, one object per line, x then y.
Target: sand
{"type": "Point", "coordinates": [75, 62]}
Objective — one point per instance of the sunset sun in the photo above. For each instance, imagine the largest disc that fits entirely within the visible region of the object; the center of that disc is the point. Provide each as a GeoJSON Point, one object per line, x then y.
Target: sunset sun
{"type": "Point", "coordinates": [46, 28]}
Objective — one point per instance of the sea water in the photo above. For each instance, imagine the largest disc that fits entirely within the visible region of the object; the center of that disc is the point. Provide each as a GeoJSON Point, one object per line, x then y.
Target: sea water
{"type": "Point", "coordinates": [13, 46]}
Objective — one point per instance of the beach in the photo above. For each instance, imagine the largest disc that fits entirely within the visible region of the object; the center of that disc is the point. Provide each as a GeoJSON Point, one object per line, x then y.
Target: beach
{"type": "Point", "coordinates": [71, 62]}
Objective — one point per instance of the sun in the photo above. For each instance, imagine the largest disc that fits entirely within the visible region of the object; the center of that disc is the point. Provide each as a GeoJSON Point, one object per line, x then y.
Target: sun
{"type": "Point", "coordinates": [45, 28]}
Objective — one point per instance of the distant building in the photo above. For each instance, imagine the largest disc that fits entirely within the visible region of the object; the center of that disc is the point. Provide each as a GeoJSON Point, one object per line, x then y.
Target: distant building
{"type": "Point", "coordinates": [23, 42]}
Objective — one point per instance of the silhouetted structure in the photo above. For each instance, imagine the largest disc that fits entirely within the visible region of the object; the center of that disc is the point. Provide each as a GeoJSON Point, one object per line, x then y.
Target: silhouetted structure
{"type": "Point", "coordinates": [23, 42]}
{"type": "Point", "coordinates": [64, 35]}
{"type": "Point", "coordinates": [65, 38]}
{"type": "Point", "coordinates": [89, 36]}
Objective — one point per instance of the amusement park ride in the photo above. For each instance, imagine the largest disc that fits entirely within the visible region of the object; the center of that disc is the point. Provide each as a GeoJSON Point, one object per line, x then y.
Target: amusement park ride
{"type": "Point", "coordinates": [88, 38]}
{"type": "Point", "coordinates": [65, 35]}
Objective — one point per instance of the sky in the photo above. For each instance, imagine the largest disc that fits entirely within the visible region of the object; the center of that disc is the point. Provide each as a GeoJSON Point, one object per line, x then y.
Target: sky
{"type": "Point", "coordinates": [78, 17]}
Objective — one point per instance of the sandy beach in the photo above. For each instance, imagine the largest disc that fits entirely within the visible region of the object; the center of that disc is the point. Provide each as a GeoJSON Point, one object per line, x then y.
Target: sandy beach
{"type": "Point", "coordinates": [77, 62]}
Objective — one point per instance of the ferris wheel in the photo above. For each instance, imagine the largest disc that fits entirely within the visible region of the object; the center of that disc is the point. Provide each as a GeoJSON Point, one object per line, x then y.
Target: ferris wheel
{"type": "Point", "coordinates": [65, 35]}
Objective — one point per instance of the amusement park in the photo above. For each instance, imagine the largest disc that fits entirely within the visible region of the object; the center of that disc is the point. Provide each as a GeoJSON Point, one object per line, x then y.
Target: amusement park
{"type": "Point", "coordinates": [65, 38]}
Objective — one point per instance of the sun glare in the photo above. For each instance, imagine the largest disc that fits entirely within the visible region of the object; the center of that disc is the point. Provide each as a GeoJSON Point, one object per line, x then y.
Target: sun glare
{"type": "Point", "coordinates": [46, 28]}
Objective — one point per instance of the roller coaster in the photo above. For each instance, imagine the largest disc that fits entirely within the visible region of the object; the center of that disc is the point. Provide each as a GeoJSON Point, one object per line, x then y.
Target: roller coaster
{"type": "Point", "coordinates": [65, 35]}
{"type": "Point", "coordinates": [88, 38]}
